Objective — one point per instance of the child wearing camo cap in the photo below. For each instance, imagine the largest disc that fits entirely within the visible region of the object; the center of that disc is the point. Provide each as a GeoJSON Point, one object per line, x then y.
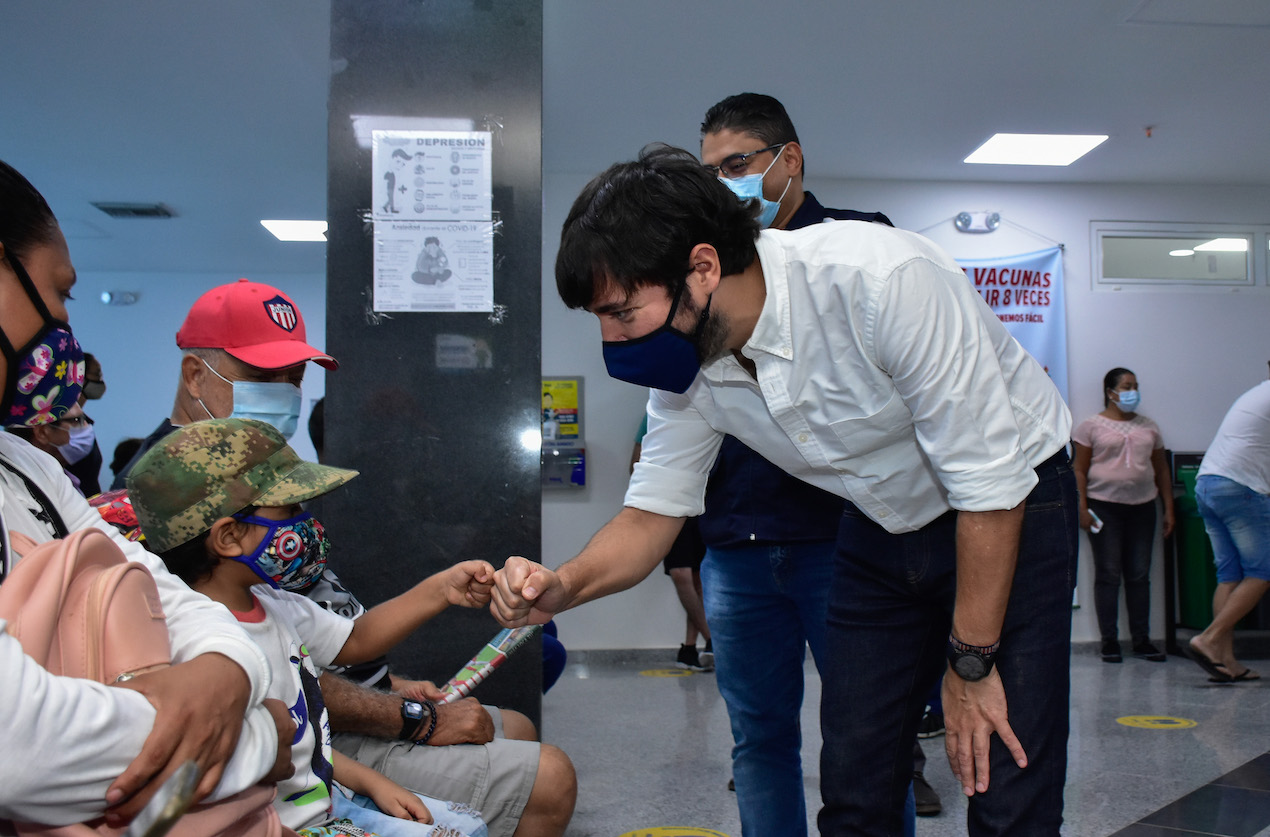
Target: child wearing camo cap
{"type": "Point", "coordinates": [219, 502]}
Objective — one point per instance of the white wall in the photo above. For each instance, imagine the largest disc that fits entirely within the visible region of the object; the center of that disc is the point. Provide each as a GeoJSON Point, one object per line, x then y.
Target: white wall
{"type": "Point", "coordinates": [1193, 353]}
{"type": "Point", "coordinates": [136, 345]}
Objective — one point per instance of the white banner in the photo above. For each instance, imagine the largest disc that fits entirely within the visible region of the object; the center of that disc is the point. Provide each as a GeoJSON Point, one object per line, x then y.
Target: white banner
{"type": "Point", "coordinates": [1026, 292]}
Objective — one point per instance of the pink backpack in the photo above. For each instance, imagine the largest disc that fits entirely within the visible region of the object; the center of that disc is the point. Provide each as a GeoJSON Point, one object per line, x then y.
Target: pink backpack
{"type": "Point", "coordinates": [81, 609]}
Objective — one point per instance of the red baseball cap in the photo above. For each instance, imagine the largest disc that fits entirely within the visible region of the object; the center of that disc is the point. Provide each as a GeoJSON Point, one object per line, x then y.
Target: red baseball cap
{"type": "Point", "coordinates": [254, 322]}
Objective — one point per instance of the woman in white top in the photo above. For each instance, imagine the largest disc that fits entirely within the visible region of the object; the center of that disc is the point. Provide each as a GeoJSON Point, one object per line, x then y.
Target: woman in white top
{"type": "Point", "coordinates": [1120, 470]}
{"type": "Point", "coordinates": [73, 748]}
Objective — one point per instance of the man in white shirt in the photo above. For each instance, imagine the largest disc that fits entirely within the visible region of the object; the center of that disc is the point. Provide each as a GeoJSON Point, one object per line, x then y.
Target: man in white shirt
{"type": "Point", "coordinates": [860, 359]}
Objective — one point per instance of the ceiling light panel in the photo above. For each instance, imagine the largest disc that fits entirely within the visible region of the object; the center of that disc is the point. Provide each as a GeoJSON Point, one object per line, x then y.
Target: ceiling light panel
{"type": "Point", "coordinates": [1035, 149]}
{"type": "Point", "coordinates": [296, 230]}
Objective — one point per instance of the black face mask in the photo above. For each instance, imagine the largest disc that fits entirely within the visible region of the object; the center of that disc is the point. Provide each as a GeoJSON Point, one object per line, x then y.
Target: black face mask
{"type": "Point", "coordinates": [46, 373]}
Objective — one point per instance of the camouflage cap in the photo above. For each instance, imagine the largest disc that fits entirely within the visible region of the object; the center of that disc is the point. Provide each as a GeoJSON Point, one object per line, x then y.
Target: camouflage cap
{"type": "Point", "coordinates": [212, 469]}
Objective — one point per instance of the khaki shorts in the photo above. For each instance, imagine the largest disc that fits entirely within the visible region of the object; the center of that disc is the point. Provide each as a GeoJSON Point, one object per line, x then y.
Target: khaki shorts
{"type": "Point", "coordinates": [494, 778]}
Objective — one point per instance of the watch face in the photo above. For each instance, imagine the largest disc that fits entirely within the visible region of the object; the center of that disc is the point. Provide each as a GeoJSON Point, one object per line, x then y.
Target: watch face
{"type": "Point", "coordinates": [412, 709]}
{"type": "Point", "coordinates": [971, 667]}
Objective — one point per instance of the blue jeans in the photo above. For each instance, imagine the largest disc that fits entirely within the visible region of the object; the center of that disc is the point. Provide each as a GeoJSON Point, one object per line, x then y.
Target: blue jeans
{"type": "Point", "coordinates": [1123, 550]}
{"type": "Point", "coordinates": [447, 817]}
{"type": "Point", "coordinates": [1237, 520]}
{"type": "Point", "coordinates": [890, 611]}
{"type": "Point", "coordinates": [765, 605]}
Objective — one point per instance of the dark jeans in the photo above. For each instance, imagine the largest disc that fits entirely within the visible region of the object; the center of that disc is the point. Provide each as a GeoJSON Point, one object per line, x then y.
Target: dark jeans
{"type": "Point", "coordinates": [890, 610]}
{"type": "Point", "coordinates": [1123, 550]}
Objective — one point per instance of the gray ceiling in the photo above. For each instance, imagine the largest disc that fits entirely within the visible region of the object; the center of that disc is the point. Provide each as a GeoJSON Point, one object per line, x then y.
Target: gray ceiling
{"type": "Point", "coordinates": [218, 109]}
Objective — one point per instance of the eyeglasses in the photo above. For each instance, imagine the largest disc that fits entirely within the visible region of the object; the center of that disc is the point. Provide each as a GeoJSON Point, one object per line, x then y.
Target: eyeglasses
{"type": "Point", "coordinates": [738, 164]}
{"type": "Point", "coordinates": [73, 421]}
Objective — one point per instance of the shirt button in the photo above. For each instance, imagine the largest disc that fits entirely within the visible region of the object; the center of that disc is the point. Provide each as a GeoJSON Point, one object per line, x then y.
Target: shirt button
{"type": "Point", "coordinates": [802, 437]}
{"type": "Point", "coordinates": [884, 514]}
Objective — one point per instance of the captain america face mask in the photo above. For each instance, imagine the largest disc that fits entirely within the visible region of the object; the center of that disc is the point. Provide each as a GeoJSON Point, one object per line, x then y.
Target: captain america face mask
{"type": "Point", "coordinates": [291, 555]}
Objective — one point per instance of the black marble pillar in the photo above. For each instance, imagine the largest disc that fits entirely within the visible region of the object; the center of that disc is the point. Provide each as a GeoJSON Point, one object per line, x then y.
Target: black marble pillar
{"type": "Point", "coordinates": [444, 474]}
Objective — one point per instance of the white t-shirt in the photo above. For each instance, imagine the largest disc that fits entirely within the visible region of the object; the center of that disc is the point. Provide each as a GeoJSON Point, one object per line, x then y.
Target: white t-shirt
{"type": "Point", "coordinates": [299, 638]}
{"type": "Point", "coordinates": [1241, 449]}
{"type": "Point", "coordinates": [882, 376]}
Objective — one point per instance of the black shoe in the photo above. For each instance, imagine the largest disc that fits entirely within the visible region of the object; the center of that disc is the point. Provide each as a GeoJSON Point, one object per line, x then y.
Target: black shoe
{"type": "Point", "coordinates": [1111, 651]}
{"type": "Point", "coordinates": [732, 785]}
{"type": "Point", "coordinates": [928, 804]}
{"type": "Point", "coordinates": [1147, 651]}
{"type": "Point", "coordinates": [932, 725]}
{"type": "Point", "coordinates": [707, 656]}
{"type": "Point", "coordinates": [688, 659]}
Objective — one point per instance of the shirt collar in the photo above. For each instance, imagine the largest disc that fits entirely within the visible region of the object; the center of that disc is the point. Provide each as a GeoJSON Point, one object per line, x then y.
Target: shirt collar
{"type": "Point", "coordinates": [808, 213]}
{"type": "Point", "coordinates": [773, 332]}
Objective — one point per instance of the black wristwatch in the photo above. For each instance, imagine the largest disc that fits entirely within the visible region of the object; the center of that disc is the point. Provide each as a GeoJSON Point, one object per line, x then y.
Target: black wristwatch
{"type": "Point", "coordinates": [412, 714]}
{"type": "Point", "coordinates": [971, 662]}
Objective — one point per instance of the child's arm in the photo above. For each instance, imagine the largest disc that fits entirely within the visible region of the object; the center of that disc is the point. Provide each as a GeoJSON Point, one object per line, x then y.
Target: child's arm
{"type": "Point", "coordinates": [376, 631]}
{"type": "Point", "coordinates": [390, 797]}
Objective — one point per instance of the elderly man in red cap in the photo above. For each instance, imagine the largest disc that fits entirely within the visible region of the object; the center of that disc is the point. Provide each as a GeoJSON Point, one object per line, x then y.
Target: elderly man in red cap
{"type": "Point", "coordinates": [245, 352]}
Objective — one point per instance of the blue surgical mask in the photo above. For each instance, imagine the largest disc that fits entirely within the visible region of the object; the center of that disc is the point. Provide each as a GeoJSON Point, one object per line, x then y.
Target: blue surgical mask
{"type": "Point", "coordinates": [1129, 400]}
{"type": "Point", "coordinates": [665, 358]}
{"type": "Point", "coordinates": [80, 444]}
{"type": "Point", "coordinates": [751, 187]}
{"type": "Point", "coordinates": [275, 403]}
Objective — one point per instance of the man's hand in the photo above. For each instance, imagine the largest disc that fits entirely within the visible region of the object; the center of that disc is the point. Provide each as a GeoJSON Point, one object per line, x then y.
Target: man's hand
{"type": "Point", "coordinates": [467, 583]}
{"type": "Point", "coordinates": [972, 712]}
{"type": "Point", "coordinates": [199, 708]}
{"type": "Point", "coordinates": [282, 765]}
{"type": "Point", "coordinates": [526, 593]}
{"type": "Point", "coordinates": [462, 722]}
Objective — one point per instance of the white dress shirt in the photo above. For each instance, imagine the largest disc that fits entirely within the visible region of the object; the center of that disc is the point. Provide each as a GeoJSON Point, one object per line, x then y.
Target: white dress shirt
{"type": "Point", "coordinates": [882, 376]}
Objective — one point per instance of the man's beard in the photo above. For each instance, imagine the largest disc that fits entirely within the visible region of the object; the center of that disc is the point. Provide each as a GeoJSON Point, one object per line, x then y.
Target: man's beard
{"type": "Point", "coordinates": [710, 336]}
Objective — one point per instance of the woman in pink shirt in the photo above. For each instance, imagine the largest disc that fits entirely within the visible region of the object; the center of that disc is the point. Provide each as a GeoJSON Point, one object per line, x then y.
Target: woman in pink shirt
{"type": "Point", "coordinates": [1120, 470]}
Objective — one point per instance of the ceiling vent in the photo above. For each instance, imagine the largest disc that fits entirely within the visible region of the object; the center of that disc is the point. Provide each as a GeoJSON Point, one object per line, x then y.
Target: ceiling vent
{"type": "Point", "coordinates": [135, 210]}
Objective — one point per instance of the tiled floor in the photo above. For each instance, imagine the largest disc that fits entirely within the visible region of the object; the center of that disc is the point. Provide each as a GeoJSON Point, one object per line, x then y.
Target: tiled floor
{"type": "Point", "coordinates": [654, 750]}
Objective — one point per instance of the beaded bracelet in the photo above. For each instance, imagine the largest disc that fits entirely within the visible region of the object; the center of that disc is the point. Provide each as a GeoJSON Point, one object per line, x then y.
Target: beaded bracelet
{"type": "Point", "coordinates": [432, 724]}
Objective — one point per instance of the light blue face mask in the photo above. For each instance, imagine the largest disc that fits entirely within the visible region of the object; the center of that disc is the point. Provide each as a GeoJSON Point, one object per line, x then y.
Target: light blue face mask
{"type": "Point", "coordinates": [275, 403]}
{"type": "Point", "coordinates": [1129, 400]}
{"type": "Point", "coordinates": [751, 187]}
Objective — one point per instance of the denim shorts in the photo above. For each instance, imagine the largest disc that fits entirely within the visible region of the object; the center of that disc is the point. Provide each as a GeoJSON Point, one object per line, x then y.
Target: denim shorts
{"type": "Point", "coordinates": [1237, 520]}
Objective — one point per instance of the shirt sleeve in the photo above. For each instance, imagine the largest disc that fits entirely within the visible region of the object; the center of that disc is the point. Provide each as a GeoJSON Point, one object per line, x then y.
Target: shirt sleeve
{"type": "Point", "coordinates": [1084, 433]}
{"type": "Point", "coordinates": [675, 458]}
{"type": "Point", "coordinates": [929, 330]}
{"type": "Point", "coordinates": [65, 740]}
{"type": "Point", "coordinates": [324, 631]}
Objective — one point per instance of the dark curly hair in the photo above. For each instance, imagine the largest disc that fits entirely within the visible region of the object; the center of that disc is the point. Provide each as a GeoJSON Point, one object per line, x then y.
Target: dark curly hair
{"type": "Point", "coordinates": [635, 225]}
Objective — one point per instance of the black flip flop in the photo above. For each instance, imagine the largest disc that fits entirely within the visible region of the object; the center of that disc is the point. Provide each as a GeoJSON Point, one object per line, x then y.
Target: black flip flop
{"type": "Point", "coordinates": [1245, 676]}
{"type": "Point", "coordinates": [1214, 668]}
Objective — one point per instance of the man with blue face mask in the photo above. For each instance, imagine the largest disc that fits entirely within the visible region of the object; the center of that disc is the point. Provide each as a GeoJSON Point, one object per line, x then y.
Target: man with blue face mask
{"type": "Point", "coordinates": [861, 360]}
{"type": "Point", "coordinates": [245, 355]}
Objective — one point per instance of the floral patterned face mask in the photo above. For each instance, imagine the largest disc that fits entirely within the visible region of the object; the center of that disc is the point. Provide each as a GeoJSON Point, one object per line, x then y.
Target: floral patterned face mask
{"type": "Point", "coordinates": [46, 374]}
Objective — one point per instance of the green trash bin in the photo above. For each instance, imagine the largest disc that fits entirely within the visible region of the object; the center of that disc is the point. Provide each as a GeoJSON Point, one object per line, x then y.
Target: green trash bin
{"type": "Point", "coordinates": [1196, 576]}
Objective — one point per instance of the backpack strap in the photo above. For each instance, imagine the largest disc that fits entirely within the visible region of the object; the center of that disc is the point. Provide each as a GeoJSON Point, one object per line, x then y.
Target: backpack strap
{"type": "Point", "coordinates": [50, 513]}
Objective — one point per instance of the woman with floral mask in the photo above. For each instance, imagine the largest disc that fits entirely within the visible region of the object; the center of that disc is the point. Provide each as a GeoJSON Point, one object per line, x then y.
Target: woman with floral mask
{"type": "Point", "coordinates": [101, 749]}
{"type": "Point", "coordinates": [1120, 470]}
